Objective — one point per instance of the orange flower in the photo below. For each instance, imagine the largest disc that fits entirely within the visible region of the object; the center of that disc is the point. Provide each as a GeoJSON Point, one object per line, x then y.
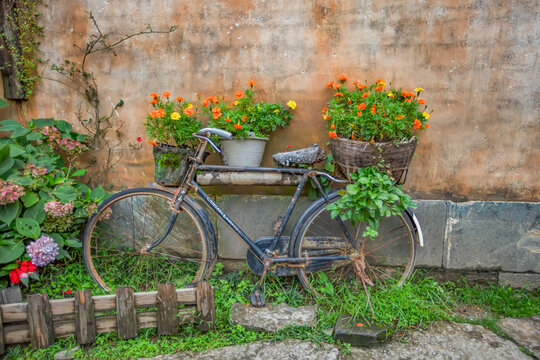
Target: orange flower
{"type": "Point", "coordinates": [216, 109]}
{"type": "Point", "coordinates": [179, 99]}
{"type": "Point", "coordinates": [237, 126]}
{"type": "Point", "coordinates": [332, 134]}
{"type": "Point", "coordinates": [326, 116]}
{"type": "Point", "coordinates": [154, 95]}
{"type": "Point", "coordinates": [373, 110]}
{"type": "Point", "coordinates": [324, 109]}
{"type": "Point", "coordinates": [359, 113]}
{"type": "Point", "coordinates": [252, 83]}
{"type": "Point", "coordinates": [361, 106]}
{"type": "Point", "coordinates": [152, 142]}
{"type": "Point", "coordinates": [421, 101]}
{"type": "Point", "coordinates": [365, 95]}
{"type": "Point", "coordinates": [378, 81]}
{"type": "Point", "coordinates": [329, 85]}
{"type": "Point", "coordinates": [360, 86]}
{"type": "Point", "coordinates": [426, 126]}
{"type": "Point", "coordinates": [153, 101]}
{"type": "Point", "coordinates": [342, 78]}
{"type": "Point", "coordinates": [244, 118]}
{"type": "Point", "coordinates": [378, 88]}
{"type": "Point", "coordinates": [188, 111]}
{"type": "Point", "coordinates": [417, 124]}
{"type": "Point", "coordinates": [239, 94]}
{"type": "Point", "coordinates": [338, 94]}
{"type": "Point", "coordinates": [205, 103]}
{"type": "Point", "coordinates": [332, 126]}
{"type": "Point", "coordinates": [217, 115]}
{"type": "Point", "coordinates": [355, 83]}
{"type": "Point", "coordinates": [400, 117]}
{"type": "Point", "coordinates": [166, 94]}
{"type": "Point", "coordinates": [408, 100]}
{"type": "Point", "coordinates": [349, 102]}
{"type": "Point", "coordinates": [336, 86]}
{"type": "Point", "coordinates": [227, 120]}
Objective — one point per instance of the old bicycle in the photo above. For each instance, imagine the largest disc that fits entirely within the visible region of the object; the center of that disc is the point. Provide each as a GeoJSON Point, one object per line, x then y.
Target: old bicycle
{"type": "Point", "coordinates": [146, 236]}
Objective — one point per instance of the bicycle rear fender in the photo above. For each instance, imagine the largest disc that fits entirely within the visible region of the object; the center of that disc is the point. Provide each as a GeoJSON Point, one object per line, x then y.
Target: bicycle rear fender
{"type": "Point", "coordinates": [417, 228]}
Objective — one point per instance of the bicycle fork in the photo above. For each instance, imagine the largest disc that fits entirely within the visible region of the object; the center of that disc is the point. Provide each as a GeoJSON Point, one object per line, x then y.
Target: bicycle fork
{"type": "Point", "coordinates": [168, 229]}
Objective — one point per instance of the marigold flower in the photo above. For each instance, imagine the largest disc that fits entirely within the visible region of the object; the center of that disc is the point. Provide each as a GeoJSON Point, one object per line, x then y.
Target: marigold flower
{"type": "Point", "coordinates": [252, 83]}
{"type": "Point", "coordinates": [239, 94]}
{"type": "Point", "coordinates": [188, 111]}
{"type": "Point", "coordinates": [227, 120]}
{"type": "Point", "coordinates": [332, 134]}
{"type": "Point", "coordinates": [326, 116]}
{"type": "Point", "coordinates": [244, 118]}
{"type": "Point", "coordinates": [291, 104]}
{"type": "Point", "coordinates": [154, 95]}
{"type": "Point", "coordinates": [421, 101]}
{"type": "Point", "coordinates": [342, 78]}
{"type": "Point", "coordinates": [417, 124]}
{"type": "Point", "coordinates": [361, 106]}
{"type": "Point", "coordinates": [189, 106]}
{"type": "Point", "coordinates": [276, 111]}
{"type": "Point", "coordinates": [332, 126]}
{"type": "Point", "coordinates": [329, 85]}
{"type": "Point", "coordinates": [426, 126]}
{"type": "Point", "coordinates": [378, 81]}
{"type": "Point", "coordinates": [365, 95]}
{"type": "Point", "coordinates": [381, 83]}
{"type": "Point", "coordinates": [152, 142]}
{"type": "Point", "coordinates": [349, 102]}
{"type": "Point", "coordinates": [216, 115]}
{"type": "Point", "coordinates": [408, 100]}
{"type": "Point", "coordinates": [374, 110]}
{"type": "Point", "coordinates": [400, 117]}
{"type": "Point", "coordinates": [378, 88]}
{"type": "Point", "coordinates": [235, 103]}
{"type": "Point", "coordinates": [359, 113]}
{"type": "Point", "coordinates": [426, 115]}
{"type": "Point", "coordinates": [237, 126]}
{"type": "Point", "coordinates": [205, 103]}
{"type": "Point", "coordinates": [153, 101]}
{"type": "Point", "coordinates": [324, 109]}
{"type": "Point", "coordinates": [336, 86]}
{"type": "Point", "coordinates": [216, 109]}
{"type": "Point", "coordinates": [175, 116]}
{"type": "Point", "coordinates": [179, 99]}
{"type": "Point", "coordinates": [418, 89]}
{"type": "Point", "coordinates": [338, 94]}
{"type": "Point", "coordinates": [390, 95]}
{"type": "Point", "coordinates": [166, 94]}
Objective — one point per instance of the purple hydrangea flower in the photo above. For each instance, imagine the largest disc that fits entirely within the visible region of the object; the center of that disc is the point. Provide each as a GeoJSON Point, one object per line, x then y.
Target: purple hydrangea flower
{"type": "Point", "coordinates": [42, 251]}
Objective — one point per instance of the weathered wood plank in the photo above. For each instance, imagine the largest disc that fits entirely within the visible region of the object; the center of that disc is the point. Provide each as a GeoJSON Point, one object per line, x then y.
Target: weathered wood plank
{"type": "Point", "coordinates": [84, 320]}
{"type": "Point", "coordinates": [14, 334]}
{"type": "Point", "coordinates": [167, 309]}
{"type": "Point", "coordinates": [40, 321]}
{"type": "Point", "coordinates": [205, 306]}
{"type": "Point", "coordinates": [126, 316]}
{"type": "Point", "coordinates": [14, 312]}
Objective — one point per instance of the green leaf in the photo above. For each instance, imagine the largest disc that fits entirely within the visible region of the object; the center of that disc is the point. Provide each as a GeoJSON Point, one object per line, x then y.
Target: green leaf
{"type": "Point", "coordinates": [9, 212]}
{"type": "Point", "coordinates": [62, 253]}
{"type": "Point", "coordinates": [65, 193]}
{"type": "Point", "coordinates": [79, 172]}
{"type": "Point", "coordinates": [73, 243]}
{"type": "Point", "coordinates": [10, 125]}
{"type": "Point", "coordinates": [36, 212]}
{"type": "Point", "coordinates": [12, 266]}
{"type": "Point", "coordinates": [63, 126]}
{"type": "Point", "coordinates": [29, 199]}
{"type": "Point", "coordinates": [3, 103]}
{"type": "Point", "coordinates": [97, 194]}
{"type": "Point", "coordinates": [28, 227]}
{"type": "Point", "coordinates": [41, 123]}
{"type": "Point", "coordinates": [57, 239]}
{"type": "Point", "coordinates": [20, 132]}
{"type": "Point", "coordinates": [22, 180]}
{"type": "Point", "coordinates": [6, 162]}
{"type": "Point", "coordinates": [16, 150]}
{"type": "Point", "coordinates": [34, 276]}
{"type": "Point", "coordinates": [25, 281]}
{"type": "Point", "coordinates": [11, 252]}
{"type": "Point", "coordinates": [34, 136]}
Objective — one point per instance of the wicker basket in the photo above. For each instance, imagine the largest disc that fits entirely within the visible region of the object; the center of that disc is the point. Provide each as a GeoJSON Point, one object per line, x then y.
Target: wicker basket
{"type": "Point", "coordinates": [350, 155]}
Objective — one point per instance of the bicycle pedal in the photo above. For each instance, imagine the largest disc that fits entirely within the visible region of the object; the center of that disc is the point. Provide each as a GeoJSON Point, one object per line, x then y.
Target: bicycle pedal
{"type": "Point", "coordinates": [257, 299]}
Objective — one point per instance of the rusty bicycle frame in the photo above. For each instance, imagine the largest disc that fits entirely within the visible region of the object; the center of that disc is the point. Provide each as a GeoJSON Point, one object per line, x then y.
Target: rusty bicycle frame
{"type": "Point", "coordinates": [270, 255]}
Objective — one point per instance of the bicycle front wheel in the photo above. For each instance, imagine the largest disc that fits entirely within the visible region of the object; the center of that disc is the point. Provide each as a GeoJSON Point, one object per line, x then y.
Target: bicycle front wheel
{"type": "Point", "coordinates": [389, 258]}
{"type": "Point", "coordinates": [127, 223]}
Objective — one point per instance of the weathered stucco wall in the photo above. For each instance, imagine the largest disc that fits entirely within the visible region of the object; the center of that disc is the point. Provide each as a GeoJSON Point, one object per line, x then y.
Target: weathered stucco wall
{"type": "Point", "coordinates": [476, 59]}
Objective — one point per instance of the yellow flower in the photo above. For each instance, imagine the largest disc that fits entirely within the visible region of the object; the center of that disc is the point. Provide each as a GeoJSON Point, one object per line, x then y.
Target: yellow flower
{"type": "Point", "coordinates": [351, 125]}
{"type": "Point", "coordinates": [175, 116]}
{"type": "Point", "coordinates": [276, 111]}
{"type": "Point", "coordinates": [390, 94]}
{"type": "Point", "coordinates": [291, 104]}
{"type": "Point", "coordinates": [418, 89]}
{"type": "Point", "coordinates": [235, 103]}
{"type": "Point", "coordinates": [426, 115]}
{"type": "Point", "coordinates": [325, 117]}
{"type": "Point", "coordinates": [189, 106]}
{"type": "Point", "coordinates": [382, 83]}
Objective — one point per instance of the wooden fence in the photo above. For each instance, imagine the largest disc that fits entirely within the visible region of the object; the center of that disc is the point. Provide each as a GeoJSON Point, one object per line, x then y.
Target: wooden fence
{"type": "Point", "coordinates": [41, 320]}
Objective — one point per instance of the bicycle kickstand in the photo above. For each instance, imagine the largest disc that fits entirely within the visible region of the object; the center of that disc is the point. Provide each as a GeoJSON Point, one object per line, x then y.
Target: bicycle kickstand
{"type": "Point", "coordinates": [257, 298]}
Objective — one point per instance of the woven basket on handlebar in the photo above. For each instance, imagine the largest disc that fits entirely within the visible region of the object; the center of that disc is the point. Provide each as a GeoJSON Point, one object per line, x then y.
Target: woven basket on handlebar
{"type": "Point", "coordinates": [350, 155]}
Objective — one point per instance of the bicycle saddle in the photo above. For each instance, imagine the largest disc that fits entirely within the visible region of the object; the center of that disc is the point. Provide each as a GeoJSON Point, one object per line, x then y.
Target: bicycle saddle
{"type": "Point", "coordinates": [307, 156]}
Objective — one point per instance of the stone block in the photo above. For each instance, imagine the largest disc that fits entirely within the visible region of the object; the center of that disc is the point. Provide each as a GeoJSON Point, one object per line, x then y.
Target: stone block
{"type": "Point", "coordinates": [526, 332]}
{"type": "Point", "coordinates": [272, 318]}
{"type": "Point", "coordinates": [432, 217]}
{"type": "Point", "coordinates": [66, 354]}
{"type": "Point", "coordinates": [255, 215]}
{"type": "Point", "coordinates": [488, 235]}
{"type": "Point", "coordinates": [358, 333]}
{"type": "Point", "coordinates": [520, 280]}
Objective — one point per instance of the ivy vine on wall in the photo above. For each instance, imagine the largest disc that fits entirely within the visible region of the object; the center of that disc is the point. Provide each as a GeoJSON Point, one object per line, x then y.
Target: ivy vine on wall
{"type": "Point", "coordinates": [19, 47]}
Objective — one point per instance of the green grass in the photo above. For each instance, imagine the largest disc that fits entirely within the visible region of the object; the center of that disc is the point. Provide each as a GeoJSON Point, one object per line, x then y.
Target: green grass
{"type": "Point", "coordinates": [417, 303]}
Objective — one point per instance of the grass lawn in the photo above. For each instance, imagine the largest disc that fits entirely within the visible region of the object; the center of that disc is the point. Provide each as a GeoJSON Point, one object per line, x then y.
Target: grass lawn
{"type": "Point", "coordinates": [417, 303]}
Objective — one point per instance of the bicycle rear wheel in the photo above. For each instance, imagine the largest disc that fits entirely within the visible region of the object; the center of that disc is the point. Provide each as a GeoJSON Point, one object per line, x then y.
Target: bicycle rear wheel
{"type": "Point", "coordinates": [127, 223]}
{"type": "Point", "coordinates": [388, 259]}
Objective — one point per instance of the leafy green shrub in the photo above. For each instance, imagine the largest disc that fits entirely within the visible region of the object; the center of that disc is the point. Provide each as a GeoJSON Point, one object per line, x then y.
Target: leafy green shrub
{"type": "Point", "coordinates": [40, 197]}
{"type": "Point", "coordinates": [371, 196]}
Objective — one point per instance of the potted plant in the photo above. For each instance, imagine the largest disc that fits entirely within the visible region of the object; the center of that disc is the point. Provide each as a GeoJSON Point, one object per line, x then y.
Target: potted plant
{"type": "Point", "coordinates": [248, 121]}
{"type": "Point", "coordinates": [170, 126]}
{"type": "Point", "coordinates": [372, 124]}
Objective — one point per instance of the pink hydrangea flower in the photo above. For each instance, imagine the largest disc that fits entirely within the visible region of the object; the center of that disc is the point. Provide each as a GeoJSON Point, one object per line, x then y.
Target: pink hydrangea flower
{"type": "Point", "coordinates": [10, 192]}
{"type": "Point", "coordinates": [57, 209]}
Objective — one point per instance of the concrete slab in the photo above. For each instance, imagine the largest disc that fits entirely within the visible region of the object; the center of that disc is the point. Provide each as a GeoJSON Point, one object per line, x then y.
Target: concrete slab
{"type": "Point", "coordinates": [432, 217]}
{"type": "Point", "coordinates": [520, 280]}
{"type": "Point", "coordinates": [358, 332]}
{"type": "Point", "coordinates": [493, 236]}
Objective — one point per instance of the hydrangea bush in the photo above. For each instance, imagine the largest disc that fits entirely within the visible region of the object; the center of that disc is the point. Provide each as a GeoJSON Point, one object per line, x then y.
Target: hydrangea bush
{"type": "Point", "coordinates": [42, 204]}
